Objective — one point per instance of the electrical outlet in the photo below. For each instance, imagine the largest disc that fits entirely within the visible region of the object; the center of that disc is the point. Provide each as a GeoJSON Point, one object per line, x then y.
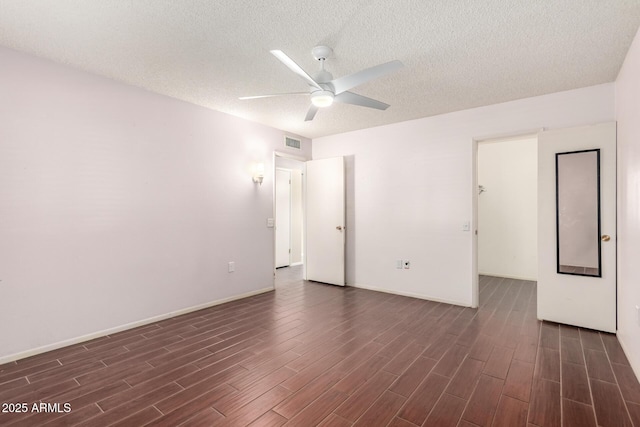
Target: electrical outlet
{"type": "Point", "coordinates": [399, 264]}
{"type": "Point", "coordinates": [407, 264]}
{"type": "Point", "coordinates": [232, 267]}
{"type": "Point", "coordinates": [466, 226]}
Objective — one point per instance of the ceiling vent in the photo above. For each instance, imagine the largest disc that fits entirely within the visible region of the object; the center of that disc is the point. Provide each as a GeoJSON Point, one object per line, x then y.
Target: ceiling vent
{"type": "Point", "coordinates": [292, 143]}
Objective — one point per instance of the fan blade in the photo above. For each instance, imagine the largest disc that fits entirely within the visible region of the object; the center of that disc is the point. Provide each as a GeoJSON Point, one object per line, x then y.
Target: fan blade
{"type": "Point", "coordinates": [311, 113]}
{"type": "Point", "coordinates": [345, 83]}
{"type": "Point", "coordinates": [294, 67]}
{"type": "Point", "coordinates": [273, 94]}
{"type": "Point", "coordinates": [363, 101]}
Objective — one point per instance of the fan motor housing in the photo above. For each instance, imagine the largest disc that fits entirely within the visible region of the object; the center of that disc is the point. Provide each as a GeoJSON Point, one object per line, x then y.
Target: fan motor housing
{"type": "Point", "coordinates": [323, 76]}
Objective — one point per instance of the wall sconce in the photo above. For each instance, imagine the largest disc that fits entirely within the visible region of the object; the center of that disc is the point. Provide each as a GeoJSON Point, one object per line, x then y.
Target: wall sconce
{"type": "Point", "coordinates": [258, 172]}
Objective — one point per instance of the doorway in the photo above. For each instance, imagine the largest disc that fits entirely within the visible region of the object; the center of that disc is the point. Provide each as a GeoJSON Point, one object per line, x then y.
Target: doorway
{"type": "Point", "coordinates": [283, 204]}
{"type": "Point", "coordinates": [505, 209]}
{"type": "Point", "coordinates": [288, 201]}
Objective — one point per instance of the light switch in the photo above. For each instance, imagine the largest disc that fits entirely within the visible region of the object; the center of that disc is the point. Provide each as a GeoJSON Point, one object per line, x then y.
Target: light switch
{"type": "Point", "coordinates": [269, 222]}
{"type": "Point", "coordinates": [466, 226]}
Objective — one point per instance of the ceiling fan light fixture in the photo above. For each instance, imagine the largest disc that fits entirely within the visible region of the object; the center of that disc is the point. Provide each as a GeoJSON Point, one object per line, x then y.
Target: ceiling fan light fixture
{"type": "Point", "coordinates": [324, 89]}
{"type": "Point", "coordinates": [322, 98]}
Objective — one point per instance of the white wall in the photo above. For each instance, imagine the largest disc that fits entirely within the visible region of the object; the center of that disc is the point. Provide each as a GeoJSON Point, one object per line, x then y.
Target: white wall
{"type": "Point", "coordinates": [627, 93]}
{"type": "Point", "coordinates": [412, 188]}
{"type": "Point", "coordinates": [507, 210]}
{"type": "Point", "coordinates": [119, 205]}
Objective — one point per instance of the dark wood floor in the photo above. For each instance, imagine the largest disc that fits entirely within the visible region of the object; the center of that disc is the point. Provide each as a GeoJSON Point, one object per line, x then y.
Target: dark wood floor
{"type": "Point", "coordinates": [312, 354]}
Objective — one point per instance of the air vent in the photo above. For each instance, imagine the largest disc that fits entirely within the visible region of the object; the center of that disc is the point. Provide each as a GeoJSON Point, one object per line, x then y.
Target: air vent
{"type": "Point", "coordinates": [291, 143]}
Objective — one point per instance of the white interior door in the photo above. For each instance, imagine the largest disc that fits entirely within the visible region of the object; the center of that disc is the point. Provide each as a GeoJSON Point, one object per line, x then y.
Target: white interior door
{"type": "Point", "coordinates": [564, 294]}
{"type": "Point", "coordinates": [325, 212]}
{"type": "Point", "coordinates": [283, 218]}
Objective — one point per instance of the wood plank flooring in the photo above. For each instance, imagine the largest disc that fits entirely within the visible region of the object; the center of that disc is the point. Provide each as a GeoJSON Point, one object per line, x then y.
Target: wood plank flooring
{"type": "Point", "coordinates": [312, 354]}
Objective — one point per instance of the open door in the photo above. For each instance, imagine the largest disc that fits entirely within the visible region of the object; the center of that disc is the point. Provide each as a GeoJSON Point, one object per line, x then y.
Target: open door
{"type": "Point", "coordinates": [325, 225]}
{"type": "Point", "coordinates": [283, 218]}
{"type": "Point", "coordinates": [577, 226]}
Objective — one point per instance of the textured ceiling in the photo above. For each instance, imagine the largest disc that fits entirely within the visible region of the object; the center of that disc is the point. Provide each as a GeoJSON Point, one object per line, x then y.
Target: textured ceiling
{"type": "Point", "coordinates": [458, 54]}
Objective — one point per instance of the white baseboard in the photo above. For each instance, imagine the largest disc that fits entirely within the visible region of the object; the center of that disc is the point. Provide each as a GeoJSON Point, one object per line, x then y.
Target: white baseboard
{"type": "Point", "coordinates": [409, 294]}
{"type": "Point", "coordinates": [636, 369]}
{"type": "Point", "coordinates": [83, 338]}
{"type": "Point", "coordinates": [505, 276]}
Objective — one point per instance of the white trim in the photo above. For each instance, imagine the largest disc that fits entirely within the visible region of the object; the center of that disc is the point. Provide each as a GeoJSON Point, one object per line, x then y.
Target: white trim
{"type": "Point", "coordinates": [502, 137]}
{"type": "Point", "coordinates": [475, 286]}
{"type": "Point", "coordinates": [475, 280]}
{"type": "Point", "coordinates": [506, 276]}
{"type": "Point", "coordinates": [83, 338]}
{"type": "Point", "coordinates": [291, 156]}
{"type": "Point", "coordinates": [636, 369]}
{"type": "Point", "coordinates": [303, 160]}
{"type": "Point", "coordinates": [275, 216]}
{"type": "Point", "coordinates": [409, 294]}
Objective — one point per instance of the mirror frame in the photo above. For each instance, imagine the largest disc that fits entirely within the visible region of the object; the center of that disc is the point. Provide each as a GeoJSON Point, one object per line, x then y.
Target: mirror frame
{"type": "Point", "coordinates": [597, 150]}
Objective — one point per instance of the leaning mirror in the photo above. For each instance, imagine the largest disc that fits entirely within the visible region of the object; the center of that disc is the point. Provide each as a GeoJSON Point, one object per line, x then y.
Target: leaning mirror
{"type": "Point", "coordinates": [578, 213]}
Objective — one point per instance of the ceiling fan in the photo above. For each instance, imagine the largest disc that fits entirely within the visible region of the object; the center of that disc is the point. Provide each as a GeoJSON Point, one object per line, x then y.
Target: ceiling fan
{"type": "Point", "coordinates": [324, 89]}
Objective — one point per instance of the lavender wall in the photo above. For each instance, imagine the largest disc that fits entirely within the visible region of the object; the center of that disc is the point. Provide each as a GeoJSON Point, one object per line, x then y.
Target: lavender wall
{"type": "Point", "coordinates": [119, 205]}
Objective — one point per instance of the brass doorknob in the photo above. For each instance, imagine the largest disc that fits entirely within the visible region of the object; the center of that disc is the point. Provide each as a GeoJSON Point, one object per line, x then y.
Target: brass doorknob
{"type": "Point", "coordinates": [339, 228]}
{"type": "Point", "coordinates": [606, 237]}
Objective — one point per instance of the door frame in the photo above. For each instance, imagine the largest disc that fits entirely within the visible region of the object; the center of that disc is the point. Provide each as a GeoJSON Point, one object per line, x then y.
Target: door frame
{"type": "Point", "coordinates": [275, 182]}
{"type": "Point", "coordinates": [475, 288]}
{"type": "Point", "coordinates": [273, 209]}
